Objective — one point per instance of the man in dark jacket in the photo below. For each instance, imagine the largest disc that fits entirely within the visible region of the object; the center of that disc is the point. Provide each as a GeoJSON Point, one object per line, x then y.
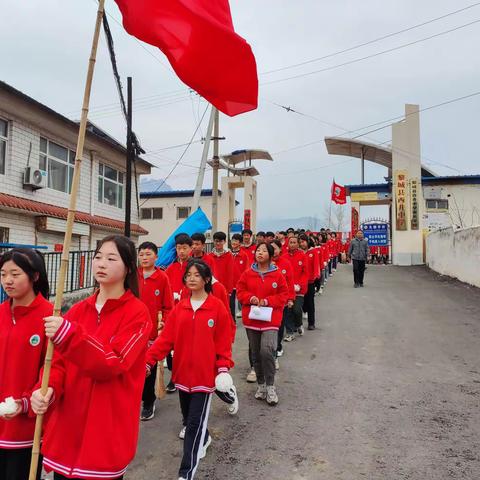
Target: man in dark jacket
{"type": "Point", "coordinates": [358, 252]}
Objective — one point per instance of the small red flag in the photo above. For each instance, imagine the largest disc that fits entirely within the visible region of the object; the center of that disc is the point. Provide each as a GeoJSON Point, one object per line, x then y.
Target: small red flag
{"type": "Point", "coordinates": [339, 194]}
{"type": "Point", "coordinates": [199, 40]}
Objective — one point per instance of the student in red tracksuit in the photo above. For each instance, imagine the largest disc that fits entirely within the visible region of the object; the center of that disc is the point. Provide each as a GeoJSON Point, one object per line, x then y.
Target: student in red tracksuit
{"type": "Point", "coordinates": [240, 264]}
{"type": "Point", "coordinates": [248, 246]}
{"type": "Point", "coordinates": [286, 268]}
{"type": "Point", "coordinates": [156, 294]}
{"type": "Point", "coordinates": [298, 261]}
{"type": "Point", "coordinates": [263, 285]}
{"type": "Point", "coordinates": [222, 261]}
{"type": "Point", "coordinates": [22, 348]}
{"type": "Point", "coordinates": [175, 273]}
{"type": "Point", "coordinates": [198, 250]}
{"type": "Point", "coordinates": [98, 372]}
{"type": "Point", "coordinates": [198, 329]}
{"type": "Point", "coordinates": [306, 244]}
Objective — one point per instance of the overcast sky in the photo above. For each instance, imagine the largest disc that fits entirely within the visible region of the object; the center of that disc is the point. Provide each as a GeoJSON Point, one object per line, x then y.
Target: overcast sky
{"type": "Point", "coordinates": [46, 46]}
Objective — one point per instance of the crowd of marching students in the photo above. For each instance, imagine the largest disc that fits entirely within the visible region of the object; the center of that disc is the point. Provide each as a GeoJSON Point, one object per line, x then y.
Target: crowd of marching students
{"type": "Point", "coordinates": [109, 346]}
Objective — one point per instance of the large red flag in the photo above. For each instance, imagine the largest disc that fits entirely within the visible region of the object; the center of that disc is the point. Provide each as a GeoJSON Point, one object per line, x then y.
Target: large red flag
{"type": "Point", "coordinates": [339, 194]}
{"type": "Point", "coordinates": [199, 40]}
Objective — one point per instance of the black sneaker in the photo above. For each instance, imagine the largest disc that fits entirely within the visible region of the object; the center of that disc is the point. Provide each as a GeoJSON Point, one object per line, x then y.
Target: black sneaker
{"type": "Point", "coordinates": [147, 413]}
{"type": "Point", "coordinates": [311, 327]}
{"type": "Point", "coordinates": [356, 285]}
{"type": "Point", "coordinates": [171, 388]}
{"type": "Point", "coordinates": [361, 284]}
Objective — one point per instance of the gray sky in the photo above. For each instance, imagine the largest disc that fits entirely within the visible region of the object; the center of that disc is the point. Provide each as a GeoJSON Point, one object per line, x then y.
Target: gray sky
{"type": "Point", "coordinates": [46, 47]}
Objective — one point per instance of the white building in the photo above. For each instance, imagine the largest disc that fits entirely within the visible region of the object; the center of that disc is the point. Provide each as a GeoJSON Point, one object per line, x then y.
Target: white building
{"type": "Point", "coordinates": [37, 148]}
{"type": "Point", "coordinates": [162, 212]}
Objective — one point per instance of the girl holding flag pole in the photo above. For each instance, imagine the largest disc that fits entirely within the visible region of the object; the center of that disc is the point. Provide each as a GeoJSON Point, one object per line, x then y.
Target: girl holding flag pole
{"type": "Point", "coordinates": [98, 372]}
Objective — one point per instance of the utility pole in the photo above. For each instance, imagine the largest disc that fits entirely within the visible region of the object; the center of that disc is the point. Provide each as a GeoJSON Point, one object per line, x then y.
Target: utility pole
{"type": "Point", "coordinates": [130, 160]}
{"type": "Point", "coordinates": [215, 172]}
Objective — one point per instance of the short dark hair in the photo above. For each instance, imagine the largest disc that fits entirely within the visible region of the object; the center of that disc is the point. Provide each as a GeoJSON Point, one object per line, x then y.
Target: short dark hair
{"type": "Point", "coordinates": [199, 237]}
{"type": "Point", "coordinates": [148, 246]}
{"type": "Point", "coordinates": [128, 254]}
{"type": "Point", "coordinates": [278, 243]}
{"type": "Point", "coordinates": [203, 270]}
{"type": "Point", "coordinates": [237, 236]}
{"type": "Point", "coordinates": [33, 264]}
{"type": "Point", "coordinates": [268, 247]}
{"type": "Point", "coordinates": [183, 239]}
{"type": "Point", "coordinates": [269, 234]}
{"type": "Point", "coordinates": [260, 234]}
{"type": "Point", "coordinates": [219, 236]}
{"type": "Point", "coordinates": [282, 232]}
{"type": "Point", "coordinates": [247, 230]}
{"type": "Point", "coordinates": [290, 230]}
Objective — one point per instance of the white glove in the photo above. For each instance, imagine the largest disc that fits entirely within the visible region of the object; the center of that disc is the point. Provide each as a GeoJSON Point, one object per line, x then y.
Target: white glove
{"type": "Point", "coordinates": [223, 382]}
{"type": "Point", "coordinates": [297, 288]}
{"type": "Point", "coordinates": [176, 296]}
{"type": "Point", "coordinates": [9, 406]}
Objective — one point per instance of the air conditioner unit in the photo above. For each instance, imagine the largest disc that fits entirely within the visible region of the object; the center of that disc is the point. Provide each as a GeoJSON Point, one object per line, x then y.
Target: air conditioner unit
{"type": "Point", "coordinates": [34, 178]}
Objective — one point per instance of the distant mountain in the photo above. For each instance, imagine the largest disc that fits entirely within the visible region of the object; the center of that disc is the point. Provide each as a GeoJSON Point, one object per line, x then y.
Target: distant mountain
{"type": "Point", "coordinates": [153, 185]}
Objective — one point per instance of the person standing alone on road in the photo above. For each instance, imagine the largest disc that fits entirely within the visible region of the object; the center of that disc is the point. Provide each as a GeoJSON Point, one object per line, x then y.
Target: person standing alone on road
{"type": "Point", "coordinates": [358, 252]}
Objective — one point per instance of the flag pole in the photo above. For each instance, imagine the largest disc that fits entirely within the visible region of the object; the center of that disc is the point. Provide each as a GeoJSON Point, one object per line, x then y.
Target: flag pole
{"type": "Point", "coordinates": [201, 173]}
{"type": "Point", "coordinates": [330, 211]}
{"type": "Point", "coordinates": [68, 233]}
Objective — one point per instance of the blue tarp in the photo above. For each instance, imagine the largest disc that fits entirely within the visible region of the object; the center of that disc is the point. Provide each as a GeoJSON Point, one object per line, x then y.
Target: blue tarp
{"type": "Point", "coordinates": [197, 222]}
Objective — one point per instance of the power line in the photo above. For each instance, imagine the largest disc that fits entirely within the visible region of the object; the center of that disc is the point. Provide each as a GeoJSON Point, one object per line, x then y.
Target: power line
{"type": "Point", "coordinates": [383, 52]}
{"type": "Point", "coordinates": [181, 156]}
{"type": "Point", "coordinates": [375, 40]}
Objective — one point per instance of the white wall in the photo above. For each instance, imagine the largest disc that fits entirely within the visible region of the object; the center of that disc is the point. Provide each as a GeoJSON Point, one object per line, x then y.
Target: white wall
{"type": "Point", "coordinates": [455, 253]}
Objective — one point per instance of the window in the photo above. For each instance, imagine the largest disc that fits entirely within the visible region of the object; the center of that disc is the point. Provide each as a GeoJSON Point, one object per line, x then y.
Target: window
{"type": "Point", "coordinates": [110, 186]}
{"type": "Point", "coordinates": [4, 234]}
{"type": "Point", "coordinates": [183, 212]}
{"type": "Point", "coordinates": [3, 145]}
{"type": "Point", "coordinates": [151, 213]}
{"type": "Point", "coordinates": [437, 204]}
{"type": "Point", "coordinates": [59, 163]}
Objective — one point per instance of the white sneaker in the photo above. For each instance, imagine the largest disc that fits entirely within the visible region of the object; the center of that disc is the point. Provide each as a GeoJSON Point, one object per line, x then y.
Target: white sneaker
{"type": "Point", "coordinates": [280, 353]}
{"type": "Point", "coordinates": [205, 447]}
{"type": "Point", "coordinates": [304, 315]}
{"type": "Point", "coordinates": [182, 433]}
{"type": "Point", "coordinates": [239, 314]}
{"type": "Point", "coordinates": [233, 408]}
{"type": "Point", "coordinates": [289, 337]}
{"type": "Point", "coordinates": [272, 397]}
{"type": "Point", "coordinates": [301, 331]}
{"type": "Point", "coordinates": [261, 393]}
{"type": "Point", "coordinates": [252, 376]}
{"type": "Point", "coordinates": [277, 364]}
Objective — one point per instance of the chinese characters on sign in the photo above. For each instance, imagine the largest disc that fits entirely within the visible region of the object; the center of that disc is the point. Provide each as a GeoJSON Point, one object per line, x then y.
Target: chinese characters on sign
{"type": "Point", "coordinates": [376, 233]}
{"type": "Point", "coordinates": [247, 219]}
{"type": "Point", "coordinates": [401, 199]}
{"type": "Point", "coordinates": [355, 220]}
{"type": "Point", "coordinates": [414, 220]}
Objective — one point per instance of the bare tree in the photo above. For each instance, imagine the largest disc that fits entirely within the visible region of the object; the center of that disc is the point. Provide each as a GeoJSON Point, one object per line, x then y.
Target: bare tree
{"type": "Point", "coordinates": [334, 218]}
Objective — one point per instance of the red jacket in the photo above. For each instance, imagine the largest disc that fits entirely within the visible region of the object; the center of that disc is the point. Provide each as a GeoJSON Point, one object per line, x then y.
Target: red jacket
{"type": "Point", "coordinates": [270, 286]}
{"type": "Point", "coordinates": [156, 294]}
{"type": "Point", "coordinates": [250, 251]}
{"type": "Point", "coordinates": [218, 291]}
{"type": "Point", "coordinates": [318, 253]}
{"type": "Point", "coordinates": [97, 374]}
{"type": "Point", "coordinates": [22, 351]}
{"type": "Point", "coordinates": [286, 268]}
{"type": "Point", "coordinates": [241, 261]}
{"type": "Point", "coordinates": [201, 341]}
{"type": "Point", "coordinates": [175, 273]}
{"type": "Point", "coordinates": [298, 260]}
{"type": "Point", "coordinates": [312, 264]}
{"type": "Point", "coordinates": [223, 269]}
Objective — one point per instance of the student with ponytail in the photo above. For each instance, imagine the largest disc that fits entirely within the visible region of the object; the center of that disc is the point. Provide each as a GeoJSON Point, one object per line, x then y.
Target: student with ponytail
{"type": "Point", "coordinates": [22, 346]}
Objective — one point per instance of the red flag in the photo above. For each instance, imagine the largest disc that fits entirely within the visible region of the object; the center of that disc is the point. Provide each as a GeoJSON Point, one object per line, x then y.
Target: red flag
{"type": "Point", "coordinates": [199, 40]}
{"type": "Point", "coordinates": [339, 194]}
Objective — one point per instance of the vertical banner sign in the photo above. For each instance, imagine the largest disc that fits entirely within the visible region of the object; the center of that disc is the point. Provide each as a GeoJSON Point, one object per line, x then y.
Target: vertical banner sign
{"type": "Point", "coordinates": [246, 219]}
{"type": "Point", "coordinates": [414, 220]}
{"type": "Point", "coordinates": [401, 199]}
{"type": "Point", "coordinates": [355, 221]}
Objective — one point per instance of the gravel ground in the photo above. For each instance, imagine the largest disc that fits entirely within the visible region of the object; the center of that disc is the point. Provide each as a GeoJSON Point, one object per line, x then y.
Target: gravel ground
{"type": "Point", "coordinates": [388, 387]}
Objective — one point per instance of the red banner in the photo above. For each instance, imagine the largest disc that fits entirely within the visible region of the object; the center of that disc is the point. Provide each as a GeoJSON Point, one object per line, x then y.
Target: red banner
{"type": "Point", "coordinates": [339, 194]}
{"type": "Point", "coordinates": [247, 219]}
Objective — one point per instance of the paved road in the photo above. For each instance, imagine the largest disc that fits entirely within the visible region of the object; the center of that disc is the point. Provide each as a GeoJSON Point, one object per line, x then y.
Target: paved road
{"type": "Point", "coordinates": [387, 388]}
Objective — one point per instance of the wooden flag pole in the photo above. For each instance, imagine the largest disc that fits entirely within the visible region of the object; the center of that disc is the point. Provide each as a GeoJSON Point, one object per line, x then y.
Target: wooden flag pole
{"type": "Point", "coordinates": [68, 234]}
